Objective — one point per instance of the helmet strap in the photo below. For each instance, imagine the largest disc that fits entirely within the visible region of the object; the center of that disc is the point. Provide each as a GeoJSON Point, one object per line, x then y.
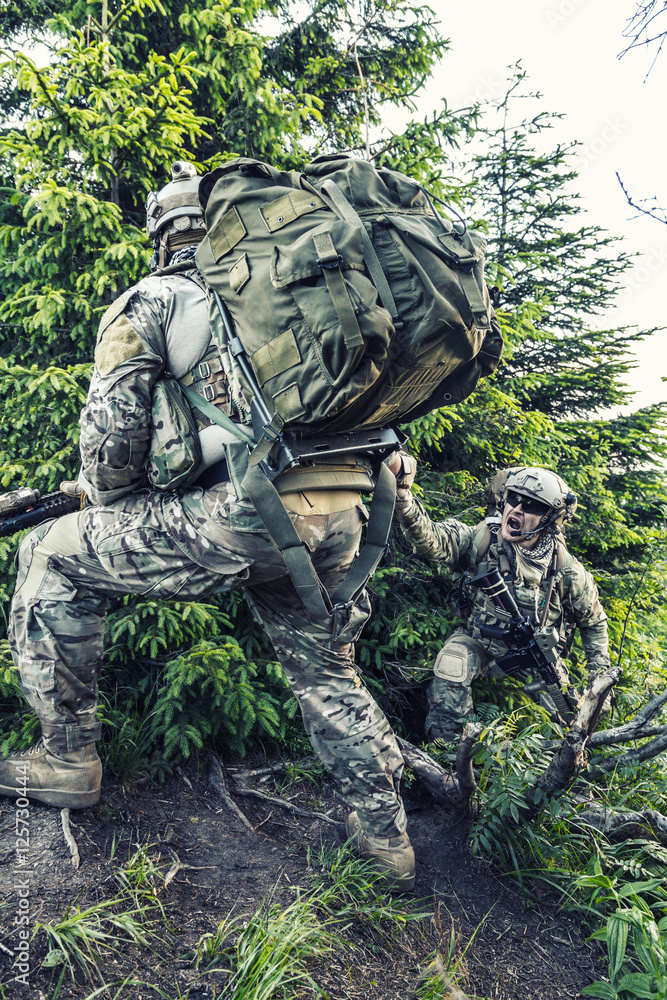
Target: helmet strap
{"type": "Point", "coordinates": [163, 252]}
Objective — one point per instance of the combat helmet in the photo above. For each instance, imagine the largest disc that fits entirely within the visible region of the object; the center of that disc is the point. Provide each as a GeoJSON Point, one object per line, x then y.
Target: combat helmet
{"type": "Point", "coordinates": [544, 486]}
{"type": "Point", "coordinates": [174, 218]}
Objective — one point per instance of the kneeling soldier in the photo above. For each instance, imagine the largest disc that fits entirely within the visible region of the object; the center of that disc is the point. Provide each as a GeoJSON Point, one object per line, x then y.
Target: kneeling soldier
{"type": "Point", "coordinates": [526, 546]}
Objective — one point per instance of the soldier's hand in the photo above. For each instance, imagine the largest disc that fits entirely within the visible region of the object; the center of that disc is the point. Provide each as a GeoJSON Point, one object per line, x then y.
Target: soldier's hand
{"type": "Point", "coordinates": [404, 467]}
{"type": "Point", "coordinates": [71, 488]}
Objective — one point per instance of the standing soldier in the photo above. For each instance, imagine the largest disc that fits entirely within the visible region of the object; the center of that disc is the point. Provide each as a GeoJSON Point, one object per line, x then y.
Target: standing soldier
{"type": "Point", "coordinates": [190, 543]}
{"type": "Point", "coordinates": [526, 545]}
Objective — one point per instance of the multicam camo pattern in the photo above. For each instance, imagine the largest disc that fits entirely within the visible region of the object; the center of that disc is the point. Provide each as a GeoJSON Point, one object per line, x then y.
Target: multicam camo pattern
{"type": "Point", "coordinates": [158, 326]}
{"type": "Point", "coordinates": [188, 547]}
{"type": "Point", "coordinates": [175, 451]}
{"type": "Point", "coordinates": [467, 654]}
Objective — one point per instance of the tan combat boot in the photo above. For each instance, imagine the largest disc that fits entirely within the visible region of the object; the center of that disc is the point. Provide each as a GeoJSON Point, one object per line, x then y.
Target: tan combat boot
{"type": "Point", "coordinates": [393, 854]}
{"type": "Point", "coordinates": [69, 780]}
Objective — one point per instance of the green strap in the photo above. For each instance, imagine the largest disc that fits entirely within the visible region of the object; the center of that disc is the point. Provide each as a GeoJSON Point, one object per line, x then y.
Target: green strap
{"type": "Point", "coordinates": [216, 415]}
{"type": "Point", "coordinates": [329, 261]}
{"type": "Point", "coordinates": [277, 522]}
{"type": "Point", "coordinates": [346, 212]}
{"type": "Point", "coordinates": [465, 258]}
{"type": "Point", "coordinates": [471, 290]}
{"type": "Point", "coordinates": [316, 601]}
{"type": "Point", "coordinates": [377, 535]}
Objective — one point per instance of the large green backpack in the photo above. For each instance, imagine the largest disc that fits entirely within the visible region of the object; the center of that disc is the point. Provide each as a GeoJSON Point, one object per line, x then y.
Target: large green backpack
{"type": "Point", "coordinates": [355, 302]}
{"type": "Point", "coordinates": [353, 305]}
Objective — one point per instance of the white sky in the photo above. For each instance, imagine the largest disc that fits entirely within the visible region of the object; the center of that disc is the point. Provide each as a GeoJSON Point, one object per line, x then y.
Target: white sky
{"type": "Point", "coordinates": [569, 49]}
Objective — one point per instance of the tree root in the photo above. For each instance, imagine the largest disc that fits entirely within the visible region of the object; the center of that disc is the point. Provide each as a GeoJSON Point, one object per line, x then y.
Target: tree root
{"type": "Point", "coordinates": [69, 838]}
{"type": "Point", "coordinates": [275, 801]}
{"type": "Point", "coordinates": [216, 777]}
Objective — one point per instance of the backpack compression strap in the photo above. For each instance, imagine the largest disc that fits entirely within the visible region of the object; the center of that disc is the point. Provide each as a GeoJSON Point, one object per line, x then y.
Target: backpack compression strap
{"type": "Point", "coordinates": [346, 212]}
{"type": "Point", "coordinates": [317, 603]}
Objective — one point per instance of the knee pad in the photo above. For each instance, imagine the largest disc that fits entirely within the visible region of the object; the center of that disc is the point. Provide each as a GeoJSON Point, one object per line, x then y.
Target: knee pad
{"type": "Point", "coordinates": [460, 661]}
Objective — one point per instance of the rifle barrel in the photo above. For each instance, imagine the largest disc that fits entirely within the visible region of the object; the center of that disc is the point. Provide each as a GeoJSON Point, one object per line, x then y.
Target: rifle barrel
{"type": "Point", "coordinates": [51, 506]}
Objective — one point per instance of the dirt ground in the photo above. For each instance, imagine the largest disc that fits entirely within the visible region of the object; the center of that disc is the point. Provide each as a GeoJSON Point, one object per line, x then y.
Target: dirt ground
{"type": "Point", "coordinates": [517, 953]}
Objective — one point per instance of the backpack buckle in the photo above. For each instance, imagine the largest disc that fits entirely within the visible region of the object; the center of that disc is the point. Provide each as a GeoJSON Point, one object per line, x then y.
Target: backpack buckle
{"type": "Point", "coordinates": [331, 263]}
{"type": "Point", "coordinates": [208, 392]}
{"type": "Point", "coordinates": [204, 369]}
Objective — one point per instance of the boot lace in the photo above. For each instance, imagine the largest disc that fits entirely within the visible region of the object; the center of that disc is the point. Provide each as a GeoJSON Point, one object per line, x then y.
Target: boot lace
{"type": "Point", "coordinates": [31, 750]}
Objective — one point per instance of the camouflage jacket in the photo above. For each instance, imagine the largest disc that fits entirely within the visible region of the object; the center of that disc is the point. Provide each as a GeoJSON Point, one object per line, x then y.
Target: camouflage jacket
{"type": "Point", "coordinates": [574, 599]}
{"type": "Point", "coordinates": [158, 326]}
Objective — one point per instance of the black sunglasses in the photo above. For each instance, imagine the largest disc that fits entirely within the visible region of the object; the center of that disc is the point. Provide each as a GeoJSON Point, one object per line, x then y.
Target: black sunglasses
{"type": "Point", "coordinates": [529, 505]}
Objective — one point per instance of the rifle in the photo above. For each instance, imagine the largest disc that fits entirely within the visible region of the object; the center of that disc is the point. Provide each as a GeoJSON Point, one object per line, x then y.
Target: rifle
{"type": "Point", "coordinates": [24, 508]}
{"type": "Point", "coordinates": [531, 649]}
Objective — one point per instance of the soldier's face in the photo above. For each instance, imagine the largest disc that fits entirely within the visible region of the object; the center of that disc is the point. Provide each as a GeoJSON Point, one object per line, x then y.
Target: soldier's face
{"type": "Point", "coordinates": [518, 522]}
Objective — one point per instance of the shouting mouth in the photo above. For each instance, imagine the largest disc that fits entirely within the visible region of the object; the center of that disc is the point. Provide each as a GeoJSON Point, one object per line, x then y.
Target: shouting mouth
{"type": "Point", "coordinates": [514, 523]}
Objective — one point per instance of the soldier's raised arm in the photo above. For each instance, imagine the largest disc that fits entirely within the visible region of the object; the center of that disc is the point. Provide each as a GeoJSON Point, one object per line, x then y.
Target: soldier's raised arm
{"type": "Point", "coordinates": [439, 541]}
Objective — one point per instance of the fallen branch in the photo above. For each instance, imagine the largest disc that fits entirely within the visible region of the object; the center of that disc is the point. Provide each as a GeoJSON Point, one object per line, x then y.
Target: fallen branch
{"type": "Point", "coordinates": [464, 754]}
{"type": "Point", "coordinates": [69, 839]}
{"type": "Point", "coordinates": [613, 821]}
{"type": "Point", "coordinates": [275, 801]}
{"type": "Point", "coordinates": [610, 737]}
{"type": "Point", "coordinates": [441, 786]}
{"type": "Point", "coordinates": [281, 767]}
{"type": "Point", "coordinates": [216, 776]}
{"type": "Point", "coordinates": [632, 730]}
{"type": "Point", "coordinates": [636, 756]}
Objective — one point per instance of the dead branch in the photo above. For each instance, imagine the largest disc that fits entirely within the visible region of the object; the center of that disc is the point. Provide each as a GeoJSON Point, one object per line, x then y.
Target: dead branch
{"type": "Point", "coordinates": [69, 839]}
{"type": "Point", "coordinates": [179, 866]}
{"type": "Point", "coordinates": [657, 213]}
{"type": "Point", "coordinates": [464, 753]}
{"type": "Point", "coordinates": [441, 786]}
{"type": "Point", "coordinates": [275, 801]}
{"type": "Point", "coordinates": [636, 756]}
{"type": "Point", "coordinates": [623, 824]}
{"type": "Point", "coordinates": [611, 737]}
{"type": "Point", "coordinates": [280, 767]}
{"type": "Point", "coordinates": [216, 776]}
{"type": "Point", "coordinates": [630, 730]}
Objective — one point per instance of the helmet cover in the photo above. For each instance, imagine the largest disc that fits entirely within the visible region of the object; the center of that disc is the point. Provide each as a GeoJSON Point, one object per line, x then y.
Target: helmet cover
{"type": "Point", "coordinates": [545, 486]}
{"type": "Point", "coordinates": [177, 200]}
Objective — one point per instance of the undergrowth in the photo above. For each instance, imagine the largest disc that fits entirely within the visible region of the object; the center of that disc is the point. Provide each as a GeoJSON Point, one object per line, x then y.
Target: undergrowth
{"type": "Point", "coordinates": [277, 951]}
{"type": "Point", "coordinates": [616, 886]}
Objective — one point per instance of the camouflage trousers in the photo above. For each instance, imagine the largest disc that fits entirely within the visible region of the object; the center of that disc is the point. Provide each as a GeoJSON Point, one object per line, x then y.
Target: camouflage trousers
{"type": "Point", "coordinates": [461, 661]}
{"type": "Point", "coordinates": [190, 547]}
